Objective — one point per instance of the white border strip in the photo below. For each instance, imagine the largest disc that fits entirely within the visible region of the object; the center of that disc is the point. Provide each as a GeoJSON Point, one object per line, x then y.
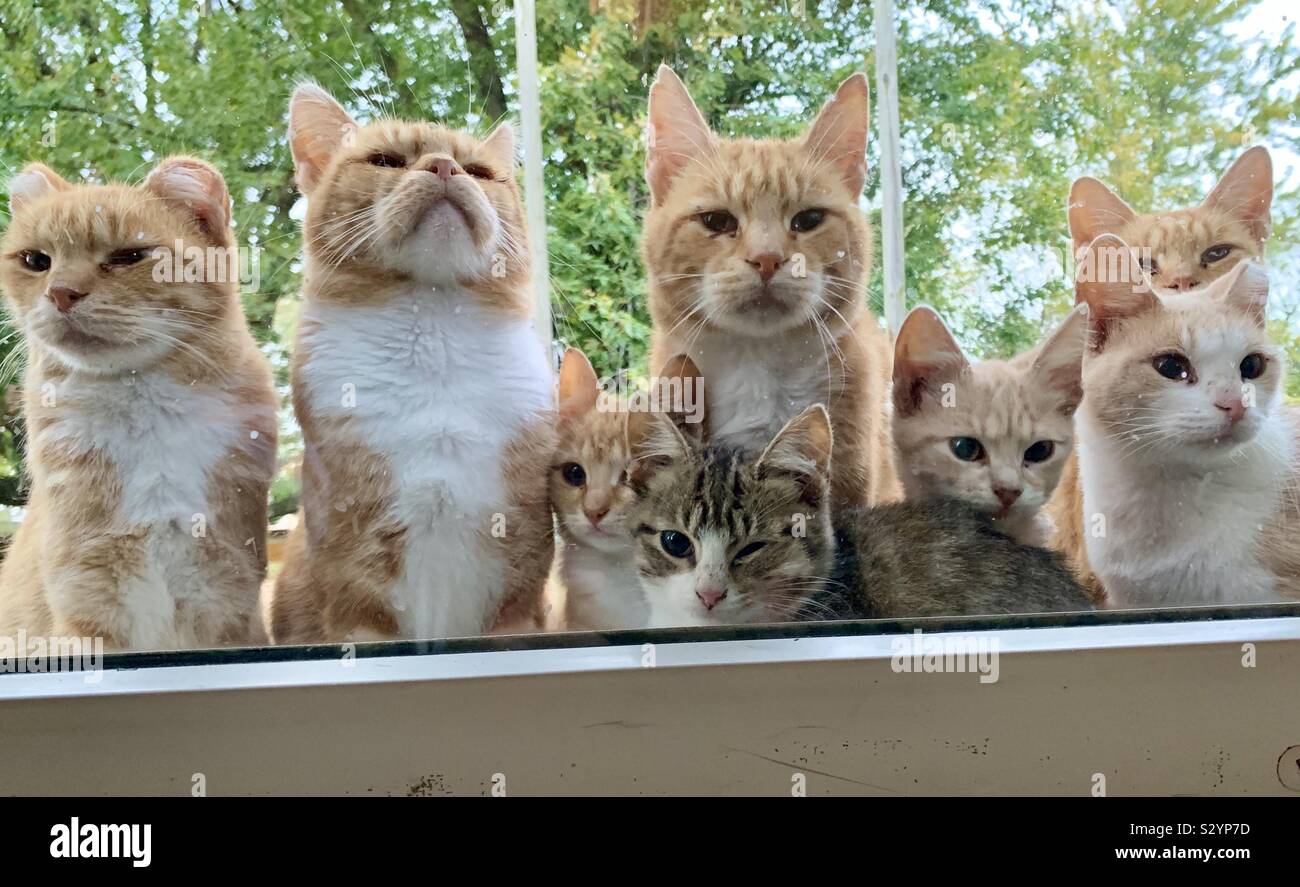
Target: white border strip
{"type": "Point", "coordinates": [685, 654]}
{"type": "Point", "coordinates": [530, 122]}
{"type": "Point", "coordinates": [891, 175]}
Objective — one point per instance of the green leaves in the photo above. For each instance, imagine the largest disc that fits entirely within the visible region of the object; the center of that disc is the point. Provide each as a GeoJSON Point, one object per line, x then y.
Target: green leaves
{"type": "Point", "coordinates": [1002, 105]}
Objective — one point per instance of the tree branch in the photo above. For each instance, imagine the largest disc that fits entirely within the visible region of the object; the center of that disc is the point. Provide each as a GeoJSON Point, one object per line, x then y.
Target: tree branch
{"type": "Point", "coordinates": [482, 57]}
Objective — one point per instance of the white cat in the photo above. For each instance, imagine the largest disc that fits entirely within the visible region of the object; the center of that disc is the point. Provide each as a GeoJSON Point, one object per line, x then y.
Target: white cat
{"type": "Point", "coordinates": [1187, 452]}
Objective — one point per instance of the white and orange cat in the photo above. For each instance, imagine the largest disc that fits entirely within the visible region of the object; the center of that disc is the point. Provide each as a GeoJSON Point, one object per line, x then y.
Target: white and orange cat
{"type": "Point", "coordinates": [1187, 451]}
{"type": "Point", "coordinates": [151, 418]}
{"type": "Point", "coordinates": [1181, 250]}
{"type": "Point", "coordinates": [591, 489]}
{"type": "Point", "coordinates": [758, 255]}
{"type": "Point", "coordinates": [995, 433]}
{"type": "Point", "coordinates": [589, 493]}
{"type": "Point", "coordinates": [424, 394]}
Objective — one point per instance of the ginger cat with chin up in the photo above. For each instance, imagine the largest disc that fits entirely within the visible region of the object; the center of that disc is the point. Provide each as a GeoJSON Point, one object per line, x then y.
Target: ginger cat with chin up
{"type": "Point", "coordinates": [151, 418]}
{"type": "Point", "coordinates": [424, 394]}
{"type": "Point", "coordinates": [758, 256]}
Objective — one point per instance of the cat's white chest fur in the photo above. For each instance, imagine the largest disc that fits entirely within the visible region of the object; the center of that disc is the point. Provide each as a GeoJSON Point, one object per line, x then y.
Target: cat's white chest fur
{"type": "Point", "coordinates": [440, 389]}
{"type": "Point", "coordinates": [164, 438]}
{"type": "Point", "coordinates": [754, 386]}
{"type": "Point", "coordinates": [1168, 537]}
{"type": "Point", "coordinates": [604, 590]}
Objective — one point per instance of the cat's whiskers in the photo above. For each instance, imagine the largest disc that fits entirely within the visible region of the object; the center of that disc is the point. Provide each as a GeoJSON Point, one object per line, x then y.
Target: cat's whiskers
{"type": "Point", "coordinates": [697, 304]}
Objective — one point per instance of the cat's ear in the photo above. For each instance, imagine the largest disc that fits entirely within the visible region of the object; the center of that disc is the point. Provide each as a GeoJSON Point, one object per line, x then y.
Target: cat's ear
{"type": "Point", "coordinates": [195, 186]}
{"type": "Point", "coordinates": [1245, 288]}
{"type": "Point", "coordinates": [1111, 282]}
{"type": "Point", "coordinates": [1059, 362]}
{"type": "Point", "coordinates": [1246, 192]}
{"type": "Point", "coordinates": [500, 146]}
{"type": "Point", "coordinates": [680, 386]}
{"type": "Point", "coordinates": [839, 134]}
{"type": "Point", "coordinates": [579, 387]}
{"type": "Point", "coordinates": [925, 356]}
{"type": "Point", "coordinates": [1095, 210]}
{"type": "Point", "coordinates": [656, 442]}
{"type": "Point", "coordinates": [34, 182]}
{"type": "Point", "coordinates": [318, 127]}
{"type": "Point", "coordinates": [802, 449]}
{"type": "Point", "coordinates": [676, 133]}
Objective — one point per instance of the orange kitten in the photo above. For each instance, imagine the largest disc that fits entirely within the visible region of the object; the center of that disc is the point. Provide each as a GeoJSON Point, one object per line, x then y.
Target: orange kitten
{"type": "Point", "coordinates": [424, 394]}
{"type": "Point", "coordinates": [590, 491]}
{"type": "Point", "coordinates": [758, 257]}
{"type": "Point", "coordinates": [994, 434]}
{"type": "Point", "coordinates": [150, 415]}
{"type": "Point", "coordinates": [1182, 250]}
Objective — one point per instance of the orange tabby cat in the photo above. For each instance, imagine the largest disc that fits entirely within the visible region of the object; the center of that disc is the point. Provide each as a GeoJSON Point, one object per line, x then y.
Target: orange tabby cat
{"type": "Point", "coordinates": [1181, 250]}
{"type": "Point", "coordinates": [150, 414]}
{"type": "Point", "coordinates": [424, 395]}
{"type": "Point", "coordinates": [758, 256]}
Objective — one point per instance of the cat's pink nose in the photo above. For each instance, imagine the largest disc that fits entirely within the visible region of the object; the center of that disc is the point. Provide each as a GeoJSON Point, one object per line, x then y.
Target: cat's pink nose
{"type": "Point", "coordinates": [64, 297]}
{"type": "Point", "coordinates": [710, 596]}
{"type": "Point", "coordinates": [1006, 496]}
{"type": "Point", "coordinates": [1234, 407]}
{"type": "Point", "coordinates": [1182, 284]}
{"type": "Point", "coordinates": [766, 264]}
{"type": "Point", "coordinates": [596, 515]}
{"type": "Point", "coordinates": [444, 167]}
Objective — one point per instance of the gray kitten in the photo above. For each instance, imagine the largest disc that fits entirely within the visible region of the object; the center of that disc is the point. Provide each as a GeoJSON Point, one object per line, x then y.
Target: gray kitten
{"type": "Point", "coordinates": [724, 538]}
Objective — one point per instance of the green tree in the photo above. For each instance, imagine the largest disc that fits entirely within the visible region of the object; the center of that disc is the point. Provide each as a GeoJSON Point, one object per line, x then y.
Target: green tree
{"type": "Point", "coordinates": [1003, 103]}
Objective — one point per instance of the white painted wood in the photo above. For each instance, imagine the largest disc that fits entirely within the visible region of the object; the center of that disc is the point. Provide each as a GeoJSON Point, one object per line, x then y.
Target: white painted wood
{"type": "Point", "coordinates": [891, 176]}
{"type": "Point", "coordinates": [1161, 708]}
{"type": "Point", "coordinates": [530, 122]}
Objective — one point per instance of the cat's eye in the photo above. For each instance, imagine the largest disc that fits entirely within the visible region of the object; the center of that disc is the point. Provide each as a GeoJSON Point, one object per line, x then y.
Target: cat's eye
{"type": "Point", "coordinates": [719, 221]}
{"type": "Point", "coordinates": [1040, 451]}
{"type": "Point", "coordinates": [35, 260]}
{"type": "Point", "coordinates": [1173, 366]}
{"type": "Point", "coordinates": [807, 220]}
{"type": "Point", "coordinates": [750, 549]}
{"type": "Point", "coordinates": [967, 449]}
{"type": "Point", "coordinates": [1149, 266]}
{"type": "Point", "coordinates": [1252, 366]}
{"type": "Point", "coordinates": [389, 161]}
{"type": "Point", "coordinates": [574, 475]}
{"type": "Point", "coordinates": [479, 171]}
{"type": "Point", "coordinates": [1216, 253]}
{"type": "Point", "coordinates": [123, 257]}
{"type": "Point", "coordinates": [676, 544]}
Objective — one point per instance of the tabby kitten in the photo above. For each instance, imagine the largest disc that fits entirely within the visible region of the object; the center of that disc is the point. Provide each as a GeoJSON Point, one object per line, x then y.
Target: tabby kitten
{"type": "Point", "coordinates": [151, 418]}
{"type": "Point", "coordinates": [993, 434]}
{"type": "Point", "coordinates": [723, 537]}
{"type": "Point", "coordinates": [758, 257]}
{"type": "Point", "coordinates": [1187, 452]}
{"type": "Point", "coordinates": [425, 398]}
